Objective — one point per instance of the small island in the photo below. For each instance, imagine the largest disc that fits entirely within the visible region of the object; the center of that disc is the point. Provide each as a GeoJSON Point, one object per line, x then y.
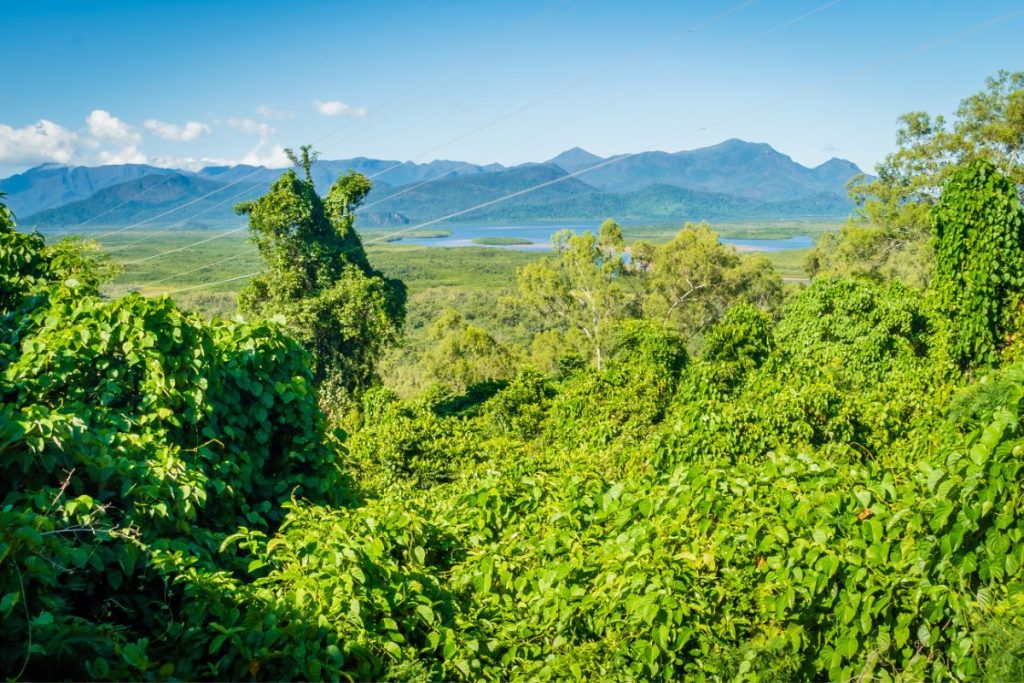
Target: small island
{"type": "Point", "coordinates": [501, 241]}
{"type": "Point", "coordinates": [420, 234]}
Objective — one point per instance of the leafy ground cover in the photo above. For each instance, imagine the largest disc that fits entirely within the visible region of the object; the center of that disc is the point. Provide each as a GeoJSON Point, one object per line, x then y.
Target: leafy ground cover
{"type": "Point", "coordinates": [694, 473]}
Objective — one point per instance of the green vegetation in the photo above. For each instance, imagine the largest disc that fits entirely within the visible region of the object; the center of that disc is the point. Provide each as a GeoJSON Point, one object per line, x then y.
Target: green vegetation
{"type": "Point", "coordinates": [888, 237]}
{"type": "Point", "coordinates": [421, 234]}
{"type": "Point", "coordinates": [660, 467]}
{"type": "Point", "coordinates": [128, 460]}
{"type": "Point", "coordinates": [501, 241]}
{"type": "Point", "coordinates": [791, 264]}
{"type": "Point", "coordinates": [319, 280]}
{"type": "Point", "coordinates": [979, 259]}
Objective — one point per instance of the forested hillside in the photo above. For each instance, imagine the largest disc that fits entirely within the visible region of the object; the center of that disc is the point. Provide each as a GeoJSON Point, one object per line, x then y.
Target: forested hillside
{"type": "Point", "coordinates": [684, 470]}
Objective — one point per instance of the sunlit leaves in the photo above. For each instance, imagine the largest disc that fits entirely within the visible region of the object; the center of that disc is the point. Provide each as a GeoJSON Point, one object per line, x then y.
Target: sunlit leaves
{"type": "Point", "coordinates": [979, 254]}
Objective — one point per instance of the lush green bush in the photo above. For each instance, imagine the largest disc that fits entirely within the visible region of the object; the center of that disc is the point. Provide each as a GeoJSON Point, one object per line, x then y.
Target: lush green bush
{"type": "Point", "coordinates": [127, 455]}
{"type": "Point", "coordinates": [625, 400]}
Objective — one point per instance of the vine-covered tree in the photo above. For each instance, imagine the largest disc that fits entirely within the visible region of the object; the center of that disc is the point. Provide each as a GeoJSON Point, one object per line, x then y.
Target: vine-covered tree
{"type": "Point", "coordinates": [134, 439]}
{"type": "Point", "coordinates": [319, 278]}
{"type": "Point", "coordinates": [979, 260]}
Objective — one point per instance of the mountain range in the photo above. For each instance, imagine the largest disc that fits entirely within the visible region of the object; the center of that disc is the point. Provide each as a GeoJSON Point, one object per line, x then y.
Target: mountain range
{"type": "Point", "coordinates": [734, 180]}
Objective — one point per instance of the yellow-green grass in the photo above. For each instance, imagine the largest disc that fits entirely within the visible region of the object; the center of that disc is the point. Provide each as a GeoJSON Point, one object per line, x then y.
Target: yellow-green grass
{"type": "Point", "coordinates": [206, 274]}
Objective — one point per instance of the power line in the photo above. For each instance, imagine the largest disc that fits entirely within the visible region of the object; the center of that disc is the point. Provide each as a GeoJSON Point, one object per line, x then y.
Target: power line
{"type": "Point", "coordinates": [849, 75]}
{"type": "Point", "coordinates": [196, 270]}
{"type": "Point", "coordinates": [528, 25]}
{"type": "Point", "coordinates": [572, 86]}
{"type": "Point", "coordinates": [612, 101]}
{"type": "Point", "coordinates": [821, 84]}
{"type": "Point", "coordinates": [280, 47]}
{"type": "Point", "coordinates": [213, 284]}
{"type": "Point", "coordinates": [672, 38]}
{"type": "Point", "coordinates": [188, 246]}
{"type": "Point", "coordinates": [237, 195]}
{"type": "Point", "coordinates": [423, 95]}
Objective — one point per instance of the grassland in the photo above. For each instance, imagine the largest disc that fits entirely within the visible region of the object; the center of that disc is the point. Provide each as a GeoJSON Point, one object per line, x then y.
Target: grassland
{"type": "Point", "coordinates": [790, 264]}
{"type": "Point", "coordinates": [205, 275]}
{"type": "Point", "coordinates": [767, 230]}
{"type": "Point", "coordinates": [419, 234]}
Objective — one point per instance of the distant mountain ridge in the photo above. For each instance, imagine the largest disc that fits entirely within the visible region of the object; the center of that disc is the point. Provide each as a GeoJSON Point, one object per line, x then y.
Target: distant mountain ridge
{"type": "Point", "coordinates": [732, 180]}
{"type": "Point", "coordinates": [736, 167]}
{"type": "Point", "coordinates": [143, 199]}
{"type": "Point", "coordinates": [52, 185]}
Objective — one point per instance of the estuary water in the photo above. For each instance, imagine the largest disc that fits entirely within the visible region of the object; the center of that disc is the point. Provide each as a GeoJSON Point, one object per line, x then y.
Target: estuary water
{"type": "Point", "coordinates": [539, 237]}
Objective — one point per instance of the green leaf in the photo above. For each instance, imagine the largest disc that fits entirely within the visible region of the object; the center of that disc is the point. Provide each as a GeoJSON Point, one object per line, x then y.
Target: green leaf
{"type": "Point", "coordinates": [42, 619]}
{"type": "Point", "coordinates": [8, 602]}
{"type": "Point", "coordinates": [425, 613]}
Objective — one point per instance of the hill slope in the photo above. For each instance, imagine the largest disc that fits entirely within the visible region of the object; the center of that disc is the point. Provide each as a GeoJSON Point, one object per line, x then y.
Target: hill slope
{"type": "Point", "coordinates": [145, 198]}
{"type": "Point", "coordinates": [52, 185]}
{"type": "Point", "coordinates": [744, 169]}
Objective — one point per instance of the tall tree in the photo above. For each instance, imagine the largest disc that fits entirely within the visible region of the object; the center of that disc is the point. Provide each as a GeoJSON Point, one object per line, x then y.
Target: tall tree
{"type": "Point", "coordinates": [887, 236]}
{"type": "Point", "coordinates": [305, 159]}
{"type": "Point", "coordinates": [320, 280]}
{"type": "Point", "coordinates": [581, 289]}
{"type": "Point", "coordinates": [694, 279]}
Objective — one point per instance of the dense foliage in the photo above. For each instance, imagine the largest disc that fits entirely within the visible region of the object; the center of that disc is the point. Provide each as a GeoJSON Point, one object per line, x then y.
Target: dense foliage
{"type": "Point", "coordinates": [592, 284]}
{"type": "Point", "coordinates": [825, 487]}
{"type": "Point", "coordinates": [126, 457]}
{"type": "Point", "coordinates": [979, 259]}
{"type": "Point", "coordinates": [319, 280]}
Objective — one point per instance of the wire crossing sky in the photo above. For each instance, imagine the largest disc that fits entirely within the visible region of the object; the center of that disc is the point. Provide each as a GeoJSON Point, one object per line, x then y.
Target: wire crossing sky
{"type": "Point", "coordinates": [191, 84]}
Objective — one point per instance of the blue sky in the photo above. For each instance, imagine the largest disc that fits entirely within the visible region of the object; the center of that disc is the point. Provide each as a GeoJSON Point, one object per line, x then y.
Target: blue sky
{"type": "Point", "coordinates": [191, 83]}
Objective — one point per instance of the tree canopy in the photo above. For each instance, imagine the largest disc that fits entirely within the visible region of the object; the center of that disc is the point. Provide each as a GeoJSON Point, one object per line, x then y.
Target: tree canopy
{"type": "Point", "coordinates": [888, 236]}
{"type": "Point", "coordinates": [319, 279]}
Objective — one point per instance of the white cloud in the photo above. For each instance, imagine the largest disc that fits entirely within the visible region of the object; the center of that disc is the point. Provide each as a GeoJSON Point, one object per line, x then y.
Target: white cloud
{"type": "Point", "coordinates": [105, 126]}
{"type": "Point", "coordinates": [251, 127]}
{"type": "Point", "coordinates": [126, 155]}
{"type": "Point", "coordinates": [171, 131]}
{"type": "Point", "coordinates": [187, 163]}
{"type": "Point", "coordinates": [266, 111]}
{"type": "Point", "coordinates": [116, 141]}
{"type": "Point", "coordinates": [35, 144]}
{"type": "Point", "coordinates": [106, 139]}
{"type": "Point", "coordinates": [265, 154]}
{"type": "Point", "coordinates": [338, 108]}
